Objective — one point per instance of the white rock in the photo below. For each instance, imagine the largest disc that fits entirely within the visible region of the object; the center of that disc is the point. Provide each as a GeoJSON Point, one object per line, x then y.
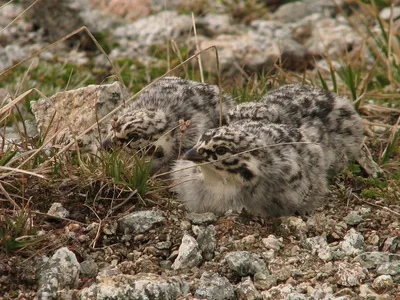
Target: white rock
{"type": "Point", "coordinates": [189, 255]}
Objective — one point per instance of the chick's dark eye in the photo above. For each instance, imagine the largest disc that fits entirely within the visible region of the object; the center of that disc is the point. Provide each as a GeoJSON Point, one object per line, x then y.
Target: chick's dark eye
{"type": "Point", "coordinates": [221, 150]}
{"type": "Point", "coordinates": [133, 136]}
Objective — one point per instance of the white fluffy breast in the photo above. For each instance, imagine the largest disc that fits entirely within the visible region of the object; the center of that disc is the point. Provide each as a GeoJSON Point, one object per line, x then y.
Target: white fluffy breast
{"type": "Point", "coordinates": [202, 190]}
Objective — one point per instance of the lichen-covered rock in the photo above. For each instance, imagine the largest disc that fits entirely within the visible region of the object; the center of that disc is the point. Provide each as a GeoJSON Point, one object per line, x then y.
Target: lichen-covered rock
{"type": "Point", "coordinates": [57, 210]}
{"type": "Point", "coordinates": [143, 286]}
{"type": "Point", "coordinates": [319, 246]}
{"type": "Point", "coordinates": [371, 260]}
{"type": "Point", "coordinates": [350, 274]}
{"type": "Point", "coordinates": [207, 241]}
{"type": "Point", "coordinates": [202, 218]}
{"type": "Point", "coordinates": [70, 113]}
{"type": "Point", "coordinates": [89, 268]}
{"type": "Point", "coordinates": [246, 290]}
{"type": "Point", "coordinates": [263, 281]}
{"type": "Point", "coordinates": [353, 243]}
{"type": "Point", "coordinates": [391, 268]}
{"type": "Point", "coordinates": [61, 271]}
{"type": "Point", "coordinates": [140, 221]}
{"type": "Point", "coordinates": [245, 263]}
{"type": "Point", "coordinates": [383, 282]}
{"type": "Point", "coordinates": [281, 291]}
{"type": "Point", "coordinates": [214, 287]}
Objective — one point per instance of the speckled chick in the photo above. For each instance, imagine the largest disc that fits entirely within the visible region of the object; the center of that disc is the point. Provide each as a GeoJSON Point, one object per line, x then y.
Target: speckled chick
{"type": "Point", "coordinates": [336, 125]}
{"type": "Point", "coordinates": [285, 174]}
{"type": "Point", "coordinates": [149, 124]}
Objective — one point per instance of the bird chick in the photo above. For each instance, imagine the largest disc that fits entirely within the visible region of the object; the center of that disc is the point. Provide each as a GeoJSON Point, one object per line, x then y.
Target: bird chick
{"type": "Point", "coordinates": [267, 169]}
{"type": "Point", "coordinates": [336, 125]}
{"type": "Point", "coordinates": [150, 125]}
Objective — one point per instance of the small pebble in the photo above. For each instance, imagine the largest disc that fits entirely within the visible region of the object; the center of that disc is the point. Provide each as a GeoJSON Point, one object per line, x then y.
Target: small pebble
{"type": "Point", "coordinates": [353, 219]}
{"type": "Point", "coordinates": [271, 242]}
{"type": "Point", "coordinates": [264, 281]}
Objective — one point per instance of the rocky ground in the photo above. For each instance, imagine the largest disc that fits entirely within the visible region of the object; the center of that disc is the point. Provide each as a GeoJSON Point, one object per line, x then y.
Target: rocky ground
{"type": "Point", "coordinates": [77, 235]}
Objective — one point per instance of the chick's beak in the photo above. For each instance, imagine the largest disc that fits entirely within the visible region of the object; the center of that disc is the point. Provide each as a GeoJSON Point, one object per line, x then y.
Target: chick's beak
{"type": "Point", "coordinates": [193, 156]}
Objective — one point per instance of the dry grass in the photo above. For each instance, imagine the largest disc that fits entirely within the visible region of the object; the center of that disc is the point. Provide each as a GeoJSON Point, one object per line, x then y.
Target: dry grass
{"type": "Point", "coordinates": [34, 174]}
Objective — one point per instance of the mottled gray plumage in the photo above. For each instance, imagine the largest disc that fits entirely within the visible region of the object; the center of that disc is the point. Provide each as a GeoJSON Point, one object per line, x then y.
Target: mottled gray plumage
{"type": "Point", "coordinates": [272, 180]}
{"type": "Point", "coordinates": [329, 119]}
{"type": "Point", "coordinates": [148, 124]}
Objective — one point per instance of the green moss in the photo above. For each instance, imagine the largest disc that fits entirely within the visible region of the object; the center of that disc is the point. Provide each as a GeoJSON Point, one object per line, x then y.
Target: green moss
{"type": "Point", "coordinates": [380, 183]}
{"type": "Point", "coordinates": [372, 193]}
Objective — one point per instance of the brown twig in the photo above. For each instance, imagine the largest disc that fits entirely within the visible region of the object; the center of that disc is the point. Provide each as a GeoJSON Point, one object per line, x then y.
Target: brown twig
{"type": "Point", "coordinates": [93, 243]}
{"type": "Point", "coordinates": [376, 205]}
{"type": "Point", "coordinates": [8, 197]}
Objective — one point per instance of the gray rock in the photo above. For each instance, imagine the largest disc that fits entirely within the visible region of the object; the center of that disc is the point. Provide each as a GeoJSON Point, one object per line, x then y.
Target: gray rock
{"type": "Point", "coordinates": [332, 36]}
{"type": "Point", "coordinates": [202, 219]}
{"type": "Point", "coordinates": [353, 218]}
{"type": "Point", "coordinates": [391, 268]}
{"type": "Point", "coordinates": [294, 11]}
{"type": "Point", "coordinates": [57, 210]}
{"type": "Point", "coordinates": [71, 112]}
{"type": "Point", "coordinates": [350, 274]}
{"type": "Point", "coordinates": [140, 221]}
{"type": "Point", "coordinates": [264, 281]}
{"type": "Point", "coordinates": [271, 29]}
{"type": "Point", "coordinates": [166, 264]}
{"type": "Point", "coordinates": [321, 291]}
{"type": "Point", "coordinates": [89, 268]}
{"type": "Point", "coordinates": [271, 242]}
{"type": "Point", "coordinates": [61, 271]}
{"type": "Point", "coordinates": [371, 260]}
{"type": "Point", "coordinates": [386, 12]}
{"type": "Point", "coordinates": [189, 255]}
{"type": "Point", "coordinates": [279, 292]}
{"type": "Point", "coordinates": [214, 24]}
{"type": "Point", "coordinates": [294, 224]}
{"type": "Point", "coordinates": [383, 282]}
{"type": "Point", "coordinates": [140, 286]}
{"type": "Point", "coordinates": [207, 241]}
{"type": "Point", "coordinates": [11, 54]}
{"type": "Point", "coordinates": [185, 225]}
{"type": "Point", "coordinates": [245, 263]}
{"type": "Point", "coordinates": [353, 243]}
{"type": "Point", "coordinates": [391, 244]}
{"type": "Point", "coordinates": [319, 246]}
{"type": "Point", "coordinates": [155, 28]}
{"type": "Point", "coordinates": [298, 296]}
{"type": "Point", "coordinates": [253, 50]}
{"type": "Point", "coordinates": [60, 19]}
{"type": "Point", "coordinates": [246, 290]}
{"type": "Point", "coordinates": [269, 255]}
{"type": "Point", "coordinates": [214, 287]}
{"type": "Point", "coordinates": [284, 274]}
{"type": "Point", "coordinates": [164, 245]}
